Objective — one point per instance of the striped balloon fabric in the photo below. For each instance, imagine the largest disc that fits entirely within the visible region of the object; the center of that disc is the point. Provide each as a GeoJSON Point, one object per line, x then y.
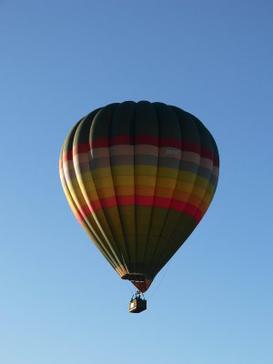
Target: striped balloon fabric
{"type": "Point", "coordinates": [139, 177]}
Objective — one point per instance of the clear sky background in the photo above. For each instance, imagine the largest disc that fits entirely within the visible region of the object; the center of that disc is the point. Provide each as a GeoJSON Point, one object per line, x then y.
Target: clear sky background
{"type": "Point", "coordinates": [60, 302]}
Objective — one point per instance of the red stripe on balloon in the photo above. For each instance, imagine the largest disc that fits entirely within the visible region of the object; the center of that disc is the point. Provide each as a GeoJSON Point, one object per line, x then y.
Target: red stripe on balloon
{"type": "Point", "coordinates": [67, 156]}
{"type": "Point", "coordinates": [161, 202]}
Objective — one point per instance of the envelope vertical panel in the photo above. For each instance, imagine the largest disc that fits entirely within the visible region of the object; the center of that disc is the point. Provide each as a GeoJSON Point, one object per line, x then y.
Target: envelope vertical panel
{"type": "Point", "coordinates": [123, 174]}
{"type": "Point", "coordinates": [101, 169]}
{"type": "Point", "coordinates": [146, 167]}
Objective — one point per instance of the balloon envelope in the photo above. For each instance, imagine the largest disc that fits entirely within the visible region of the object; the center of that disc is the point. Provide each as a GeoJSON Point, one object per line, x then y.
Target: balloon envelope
{"type": "Point", "coordinates": [139, 177]}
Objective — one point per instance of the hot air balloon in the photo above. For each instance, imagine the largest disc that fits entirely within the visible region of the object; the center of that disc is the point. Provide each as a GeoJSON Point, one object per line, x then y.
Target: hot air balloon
{"type": "Point", "coordinates": [139, 177]}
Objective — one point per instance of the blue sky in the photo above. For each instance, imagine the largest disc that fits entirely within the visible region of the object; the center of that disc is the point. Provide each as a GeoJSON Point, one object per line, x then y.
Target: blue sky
{"type": "Point", "coordinates": [60, 301]}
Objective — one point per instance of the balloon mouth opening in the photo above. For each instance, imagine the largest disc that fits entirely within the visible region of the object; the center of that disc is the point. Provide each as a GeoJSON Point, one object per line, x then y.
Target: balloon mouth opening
{"type": "Point", "coordinates": [139, 280]}
{"type": "Point", "coordinates": [136, 277]}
